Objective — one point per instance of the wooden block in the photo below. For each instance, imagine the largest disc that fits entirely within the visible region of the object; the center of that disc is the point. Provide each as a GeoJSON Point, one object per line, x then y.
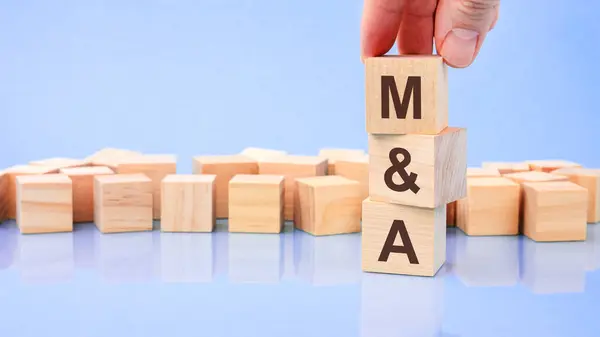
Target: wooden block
{"type": "Point", "coordinates": [474, 172]}
{"type": "Point", "coordinates": [327, 205]}
{"type": "Point", "coordinates": [60, 162]}
{"type": "Point", "coordinates": [3, 196]}
{"type": "Point", "coordinates": [451, 214]}
{"type": "Point", "coordinates": [260, 153]}
{"type": "Point", "coordinates": [355, 169]}
{"type": "Point", "coordinates": [400, 239]}
{"type": "Point", "coordinates": [292, 167]}
{"type": "Point", "coordinates": [10, 175]}
{"type": "Point", "coordinates": [590, 179]}
{"type": "Point", "coordinates": [110, 157]}
{"type": "Point", "coordinates": [550, 165]}
{"type": "Point", "coordinates": [333, 155]}
{"type": "Point", "coordinates": [507, 167]}
{"type": "Point", "coordinates": [188, 203]}
{"type": "Point", "coordinates": [123, 203]}
{"type": "Point", "coordinates": [406, 94]}
{"type": "Point", "coordinates": [256, 203]}
{"type": "Point", "coordinates": [555, 211]}
{"type": "Point", "coordinates": [418, 170]}
{"type": "Point", "coordinates": [490, 208]}
{"type": "Point", "coordinates": [155, 167]}
{"type": "Point", "coordinates": [224, 167]}
{"type": "Point", "coordinates": [44, 203]}
{"type": "Point", "coordinates": [83, 190]}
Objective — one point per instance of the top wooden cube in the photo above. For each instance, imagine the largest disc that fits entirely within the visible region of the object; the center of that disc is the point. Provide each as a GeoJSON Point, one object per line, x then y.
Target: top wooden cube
{"type": "Point", "coordinates": [406, 94]}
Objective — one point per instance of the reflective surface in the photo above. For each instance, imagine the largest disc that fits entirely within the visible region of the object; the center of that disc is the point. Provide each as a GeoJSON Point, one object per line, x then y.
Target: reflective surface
{"type": "Point", "coordinates": [293, 284]}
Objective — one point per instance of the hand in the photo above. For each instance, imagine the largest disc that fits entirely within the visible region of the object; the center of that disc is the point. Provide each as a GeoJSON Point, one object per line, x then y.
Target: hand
{"type": "Point", "coordinates": [460, 27]}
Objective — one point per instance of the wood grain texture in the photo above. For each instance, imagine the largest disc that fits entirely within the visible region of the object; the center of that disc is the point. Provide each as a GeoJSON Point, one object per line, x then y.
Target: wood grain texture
{"type": "Point", "coordinates": [555, 211]}
{"type": "Point", "coordinates": [590, 180]}
{"type": "Point", "coordinates": [293, 167]}
{"type": "Point", "coordinates": [357, 169]}
{"type": "Point", "coordinates": [440, 162]}
{"type": "Point", "coordinates": [44, 203]}
{"type": "Point", "coordinates": [334, 154]}
{"type": "Point", "coordinates": [188, 203]}
{"type": "Point", "coordinates": [426, 228]}
{"type": "Point", "coordinates": [123, 203]}
{"type": "Point", "coordinates": [224, 167]}
{"type": "Point", "coordinates": [328, 205]}
{"type": "Point", "coordinates": [60, 162]}
{"type": "Point", "coordinates": [256, 203]}
{"type": "Point", "coordinates": [434, 94]}
{"type": "Point", "coordinates": [472, 172]}
{"type": "Point", "coordinates": [506, 167]}
{"type": "Point", "coordinates": [258, 153]}
{"type": "Point", "coordinates": [16, 171]}
{"type": "Point", "coordinates": [83, 190]}
{"type": "Point", "coordinates": [550, 165]}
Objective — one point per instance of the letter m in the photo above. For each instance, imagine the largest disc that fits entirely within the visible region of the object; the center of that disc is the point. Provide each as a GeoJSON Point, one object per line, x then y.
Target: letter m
{"type": "Point", "coordinates": [413, 88]}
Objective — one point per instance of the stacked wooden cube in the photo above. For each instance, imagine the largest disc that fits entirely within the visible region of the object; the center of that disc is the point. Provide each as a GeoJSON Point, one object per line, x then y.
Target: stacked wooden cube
{"type": "Point", "coordinates": [417, 165]}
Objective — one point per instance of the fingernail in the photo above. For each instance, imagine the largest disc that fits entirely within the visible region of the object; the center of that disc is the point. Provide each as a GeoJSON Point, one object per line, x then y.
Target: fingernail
{"type": "Point", "coordinates": [459, 47]}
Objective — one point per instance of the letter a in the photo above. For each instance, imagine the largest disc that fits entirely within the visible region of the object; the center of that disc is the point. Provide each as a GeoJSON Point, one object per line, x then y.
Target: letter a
{"type": "Point", "coordinates": [398, 226]}
{"type": "Point", "coordinates": [413, 87]}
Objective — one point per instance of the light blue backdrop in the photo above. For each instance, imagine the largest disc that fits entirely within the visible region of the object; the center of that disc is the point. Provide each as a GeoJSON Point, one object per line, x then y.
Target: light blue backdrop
{"type": "Point", "coordinates": [214, 76]}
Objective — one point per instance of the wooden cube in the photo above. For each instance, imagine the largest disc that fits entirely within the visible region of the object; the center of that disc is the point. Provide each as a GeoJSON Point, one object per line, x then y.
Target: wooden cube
{"type": "Point", "coordinates": [555, 211]}
{"type": "Point", "coordinates": [60, 163]}
{"type": "Point", "coordinates": [356, 169]}
{"type": "Point", "coordinates": [110, 157]}
{"type": "Point", "coordinates": [256, 203]}
{"type": "Point", "coordinates": [123, 203]}
{"type": "Point", "coordinates": [507, 167]}
{"type": "Point", "coordinates": [292, 167]}
{"type": "Point", "coordinates": [451, 214]}
{"type": "Point", "coordinates": [188, 203]}
{"type": "Point", "coordinates": [257, 153]}
{"type": "Point", "coordinates": [475, 172]}
{"type": "Point", "coordinates": [406, 94]}
{"type": "Point", "coordinates": [590, 179]}
{"type": "Point", "coordinates": [83, 190]}
{"type": "Point", "coordinates": [400, 239]}
{"type": "Point", "coordinates": [333, 155]}
{"type": "Point", "coordinates": [44, 203]}
{"type": "Point", "coordinates": [328, 205]}
{"type": "Point", "coordinates": [10, 176]}
{"type": "Point", "coordinates": [418, 170]}
{"type": "Point", "coordinates": [3, 196]}
{"type": "Point", "coordinates": [550, 165]}
{"type": "Point", "coordinates": [490, 208]}
{"type": "Point", "coordinates": [224, 167]}
{"type": "Point", "coordinates": [155, 167]}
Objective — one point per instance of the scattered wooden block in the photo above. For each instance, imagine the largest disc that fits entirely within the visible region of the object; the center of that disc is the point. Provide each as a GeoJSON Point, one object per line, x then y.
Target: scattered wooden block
{"type": "Point", "coordinates": [83, 190]}
{"type": "Point", "coordinates": [406, 94]}
{"type": "Point", "coordinates": [292, 167]}
{"type": "Point", "coordinates": [333, 155]}
{"type": "Point", "coordinates": [590, 179]}
{"type": "Point", "coordinates": [110, 157]}
{"type": "Point", "coordinates": [550, 165]}
{"type": "Point", "coordinates": [400, 239]}
{"type": "Point", "coordinates": [256, 203]}
{"type": "Point", "coordinates": [328, 205]}
{"type": "Point", "coordinates": [123, 203]}
{"type": "Point", "coordinates": [188, 203]}
{"type": "Point", "coordinates": [155, 167]}
{"type": "Point", "coordinates": [10, 175]}
{"type": "Point", "coordinates": [555, 211]}
{"type": "Point", "coordinates": [507, 167]}
{"type": "Point", "coordinates": [60, 163]}
{"type": "Point", "coordinates": [418, 170]}
{"type": "Point", "coordinates": [44, 203]}
{"type": "Point", "coordinates": [451, 214]}
{"type": "Point", "coordinates": [356, 169]}
{"type": "Point", "coordinates": [474, 172]}
{"type": "Point", "coordinates": [490, 208]}
{"type": "Point", "coordinates": [260, 153]}
{"type": "Point", "coordinates": [3, 196]}
{"type": "Point", "coordinates": [224, 167]}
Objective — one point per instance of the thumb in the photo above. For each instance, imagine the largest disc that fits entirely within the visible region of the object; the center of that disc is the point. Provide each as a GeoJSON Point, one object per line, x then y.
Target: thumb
{"type": "Point", "coordinates": [460, 28]}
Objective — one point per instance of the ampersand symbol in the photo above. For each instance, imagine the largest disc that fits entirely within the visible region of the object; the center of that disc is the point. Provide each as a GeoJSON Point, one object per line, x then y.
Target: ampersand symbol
{"type": "Point", "coordinates": [400, 168]}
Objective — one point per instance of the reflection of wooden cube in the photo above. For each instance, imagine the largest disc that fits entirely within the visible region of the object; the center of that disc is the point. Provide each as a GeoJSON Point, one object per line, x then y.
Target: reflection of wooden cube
{"type": "Point", "coordinates": [44, 203]}
{"type": "Point", "coordinates": [123, 203]}
{"type": "Point", "coordinates": [333, 155]}
{"type": "Point", "coordinates": [550, 165]}
{"type": "Point", "coordinates": [590, 179]}
{"type": "Point", "coordinates": [506, 167]}
{"type": "Point", "coordinates": [83, 190]}
{"type": "Point", "coordinates": [328, 205]}
{"type": "Point", "coordinates": [16, 171]}
{"type": "Point", "coordinates": [555, 211]}
{"type": "Point", "coordinates": [256, 203]}
{"type": "Point", "coordinates": [188, 203]}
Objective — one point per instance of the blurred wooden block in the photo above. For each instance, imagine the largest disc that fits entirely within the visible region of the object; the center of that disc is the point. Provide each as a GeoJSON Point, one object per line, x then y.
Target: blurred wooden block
{"type": "Point", "coordinates": [83, 190]}
{"type": "Point", "coordinates": [451, 214]}
{"type": "Point", "coordinates": [60, 163]}
{"type": "Point", "coordinates": [490, 208]}
{"type": "Point", "coordinates": [224, 167]}
{"type": "Point", "coordinates": [406, 94]}
{"type": "Point", "coordinates": [507, 167]}
{"type": "Point", "coordinates": [355, 169]}
{"type": "Point", "coordinates": [400, 239]}
{"type": "Point", "coordinates": [156, 167]}
{"type": "Point", "coordinates": [44, 203]}
{"type": "Point", "coordinates": [589, 179]}
{"type": "Point", "coordinates": [555, 211]}
{"type": "Point", "coordinates": [260, 153]}
{"type": "Point", "coordinates": [110, 157]}
{"type": "Point", "coordinates": [292, 167]}
{"type": "Point", "coordinates": [434, 168]}
{"type": "Point", "coordinates": [10, 175]}
{"type": "Point", "coordinates": [256, 203]}
{"type": "Point", "coordinates": [475, 172]}
{"type": "Point", "coordinates": [123, 203]}
{"type": "Point", "coordinates": [3, 196]}
{"type": "Point", "coordinates": [550, 165]}
{"type": "Point", "coordinates": [188, 203]}
{"type": "Point", "coordinates": [328, 205]}
{"type": "Point", "coordinates": [333, 155]}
